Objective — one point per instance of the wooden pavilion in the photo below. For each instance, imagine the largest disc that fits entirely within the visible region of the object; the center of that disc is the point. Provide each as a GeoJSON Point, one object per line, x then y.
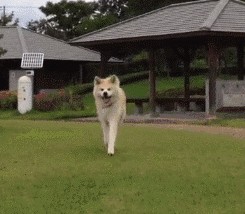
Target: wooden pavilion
{"type": "Point", "coordinates": [210, 23]}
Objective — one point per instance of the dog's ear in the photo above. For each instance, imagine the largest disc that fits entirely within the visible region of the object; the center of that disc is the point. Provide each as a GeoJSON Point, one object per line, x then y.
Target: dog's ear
{"type": "Point", "coordinates": [97, 80]}
{"type": "Point", "coordinates": [114, 79]}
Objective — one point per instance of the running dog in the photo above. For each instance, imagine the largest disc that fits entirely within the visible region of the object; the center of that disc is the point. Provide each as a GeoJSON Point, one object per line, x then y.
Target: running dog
{"type": "Point", "coordinates": [110, 101]}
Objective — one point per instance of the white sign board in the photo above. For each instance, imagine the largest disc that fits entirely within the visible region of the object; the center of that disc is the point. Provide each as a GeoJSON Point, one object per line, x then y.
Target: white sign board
{"type": "Point", "coordinates": [230, 93]}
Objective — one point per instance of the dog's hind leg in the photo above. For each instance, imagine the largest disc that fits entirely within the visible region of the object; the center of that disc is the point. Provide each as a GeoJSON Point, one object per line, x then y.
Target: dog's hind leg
{"type": "Point", "coordinates": [105, 128]}
{"type": "Point", "coordinates": [112, 137]}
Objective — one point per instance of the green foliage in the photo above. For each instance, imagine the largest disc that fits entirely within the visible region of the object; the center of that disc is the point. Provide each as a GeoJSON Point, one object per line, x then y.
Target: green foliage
{"type": "Point", "coordinates": [143, 55]}
{"type": "Point", "coordinates": [140, 89]}
{"type": "Point", "coordinates": [45, 27]}
{"type": "Point", "coordinates": [81, 89]}
{"type": "Point", "coordinates": [133, 77]}
{"type": "Point", "coordinates": [117, 8]}
{"type": "Point", "coordinates": [63, 18]}
{"type": "Point", "coordinates": [8, 19]}
{"type": "Point", "coordinates": [8, 100]}
{"type": "Point", "coordinates": [137, 7]}
{"type": "Point", "coordinates": [97, 22]}
{"type": "Point", "coordinates": [179, 92]}
{"type": "Point", "coordinates": [229, 57]}
{"type": "Point", "coordinates": [57, 101]}
{"type": "Point", "coordinates": [2, 51]}
{"type": "Point", "coordinates": [199, 64]}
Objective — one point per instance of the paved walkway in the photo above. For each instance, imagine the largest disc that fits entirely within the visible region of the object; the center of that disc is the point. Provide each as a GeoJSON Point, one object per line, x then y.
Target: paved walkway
{"type": "Point", "coordinates": [169, 118]}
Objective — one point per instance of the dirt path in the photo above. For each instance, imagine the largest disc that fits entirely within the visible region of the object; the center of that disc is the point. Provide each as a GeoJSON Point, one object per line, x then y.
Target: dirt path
{"type": "Point", "coordinates": [234, 132]}
{"type": "Point", "coordinates": [170, 123]}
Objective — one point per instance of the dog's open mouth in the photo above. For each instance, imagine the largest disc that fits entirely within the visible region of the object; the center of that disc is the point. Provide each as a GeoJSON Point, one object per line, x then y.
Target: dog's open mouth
{"type": "Point", "coordinates": [106, 100]}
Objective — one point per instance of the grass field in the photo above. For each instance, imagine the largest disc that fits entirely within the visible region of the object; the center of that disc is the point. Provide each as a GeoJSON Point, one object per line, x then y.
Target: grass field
{"type": "Point", "coordinates": [61, 167]}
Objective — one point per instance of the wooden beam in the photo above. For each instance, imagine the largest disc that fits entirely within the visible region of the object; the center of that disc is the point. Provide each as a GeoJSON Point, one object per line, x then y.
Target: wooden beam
{"type": "Point", "coordinates": [187, 61]}
{"type": "Point", "coordinates": [213, 62]}
{"type": "Point", "coordinates": [240, 58]}
{"type": "Point", "coordinates": [185, 56]}
{"type": "Point", "coordinates": [152, 81]}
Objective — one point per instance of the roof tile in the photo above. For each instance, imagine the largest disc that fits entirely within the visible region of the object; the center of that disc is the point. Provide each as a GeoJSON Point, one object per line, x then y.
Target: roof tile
{"type": "Point", "coordinates": [52, 48]}
{"type": "Point", "coordinates": [213, 15]}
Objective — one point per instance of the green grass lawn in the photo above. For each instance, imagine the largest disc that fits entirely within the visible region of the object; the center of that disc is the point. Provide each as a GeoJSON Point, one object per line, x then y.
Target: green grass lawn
{"type": "Point", "coordinates": [140, 89]}
{"type": "Point", "coordinates": [61, 167]}
{"type": "Point", "coordinates": [226, 119]}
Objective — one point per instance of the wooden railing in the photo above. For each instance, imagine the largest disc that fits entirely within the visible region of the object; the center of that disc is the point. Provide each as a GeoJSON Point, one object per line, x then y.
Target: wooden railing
{"type": "Point", "coordinates": [161, 103]}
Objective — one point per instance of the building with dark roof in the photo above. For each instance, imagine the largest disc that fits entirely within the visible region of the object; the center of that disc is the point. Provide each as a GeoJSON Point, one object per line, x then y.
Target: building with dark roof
{"type": "Point", "coordinates": [63, 63]}
{"type": "Point", "coordinates": [185, 20]}
{"type": "Point", "coordinates": [215, 24]}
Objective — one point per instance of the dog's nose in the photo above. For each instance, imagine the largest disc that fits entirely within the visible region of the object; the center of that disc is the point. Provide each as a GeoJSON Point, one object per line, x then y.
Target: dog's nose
{"type": "Point", "coordinates": [105, 94]}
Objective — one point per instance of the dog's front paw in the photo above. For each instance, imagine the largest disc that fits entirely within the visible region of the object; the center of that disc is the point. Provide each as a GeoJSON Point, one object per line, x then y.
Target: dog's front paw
{"type": "Point", "coordinates": [110, 151]}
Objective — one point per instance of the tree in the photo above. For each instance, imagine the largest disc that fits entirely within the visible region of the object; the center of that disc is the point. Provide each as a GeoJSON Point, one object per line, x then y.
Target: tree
{"type": "Point", "coordinates": [117, 8]}
{"type": "Point", "coordinates": [63, 18]}
{"type": "Point", "coordinates": [137, 7]}
{"type": "Point", "coordinates": [7, 19]}
{"type": "Point", "coordinates": [107, 12]}
{"type": "Point", "coordinates": [2, 51]}
{"type": "Point", "coordinates": [96, 22]}
{"type": "Point", "coordinates": [44, 27]}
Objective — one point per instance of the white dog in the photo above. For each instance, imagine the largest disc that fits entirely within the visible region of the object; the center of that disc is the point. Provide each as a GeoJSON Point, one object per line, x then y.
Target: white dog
{"type": "Point", "coordinates": [110, 102]}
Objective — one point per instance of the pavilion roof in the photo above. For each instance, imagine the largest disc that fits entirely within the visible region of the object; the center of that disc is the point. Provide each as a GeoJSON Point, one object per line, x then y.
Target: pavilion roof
{"type": "Point", "coordinates": [173, 20]}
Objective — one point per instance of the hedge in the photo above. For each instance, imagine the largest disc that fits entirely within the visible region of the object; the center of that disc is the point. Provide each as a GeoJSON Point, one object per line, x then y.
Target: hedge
{"type": "Point", "coordinates": [81, 89]}
{"type": "Point", "coordinates": [8, 100]}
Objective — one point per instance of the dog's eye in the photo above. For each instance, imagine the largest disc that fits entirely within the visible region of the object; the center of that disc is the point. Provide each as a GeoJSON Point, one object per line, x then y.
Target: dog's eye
{"type": "Point", "coordinates": [108, 89]}
{"type": "Point", "coordinates": [102, 89]}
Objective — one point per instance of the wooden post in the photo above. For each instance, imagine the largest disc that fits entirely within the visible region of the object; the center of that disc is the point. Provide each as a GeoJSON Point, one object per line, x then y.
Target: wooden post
{"type": "Point", "coordinates": [240, 57]}
{"type": "Point", "coordinates": [152, 81]}
{"type": "Point", "coordinates": [104, 57]}
{"type": "Point", "coordinates": [213, 62]}
{"type": "Point", "coordinates": [185, 56]}
{"type": "Point", "coordinates": [187, 62]}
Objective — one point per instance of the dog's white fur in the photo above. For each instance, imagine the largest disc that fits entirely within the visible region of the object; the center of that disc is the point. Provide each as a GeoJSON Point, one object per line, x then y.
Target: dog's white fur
{"type": "Point", "coordinates": [110, 103]}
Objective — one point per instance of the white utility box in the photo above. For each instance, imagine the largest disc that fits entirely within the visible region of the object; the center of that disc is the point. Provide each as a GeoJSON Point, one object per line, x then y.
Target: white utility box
{"type": "Point", "coordinates": [25, 94]}
{"type": "Point", "coordinates": [25, 83]}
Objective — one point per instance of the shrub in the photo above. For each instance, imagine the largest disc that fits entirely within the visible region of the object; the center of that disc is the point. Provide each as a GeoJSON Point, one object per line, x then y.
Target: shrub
{"type": "Point", "coordinates": [81, 89]}
{"type": "Point", "coordinates": [60, 100]}
{"type": "Point", "coordinates": [179, 92]}
{"type": "Point", "coordinates": [8, 100]}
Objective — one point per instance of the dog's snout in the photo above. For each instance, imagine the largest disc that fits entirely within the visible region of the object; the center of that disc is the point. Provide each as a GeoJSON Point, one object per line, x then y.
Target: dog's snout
{"type": "Point", "coordinates": [105, 94]}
